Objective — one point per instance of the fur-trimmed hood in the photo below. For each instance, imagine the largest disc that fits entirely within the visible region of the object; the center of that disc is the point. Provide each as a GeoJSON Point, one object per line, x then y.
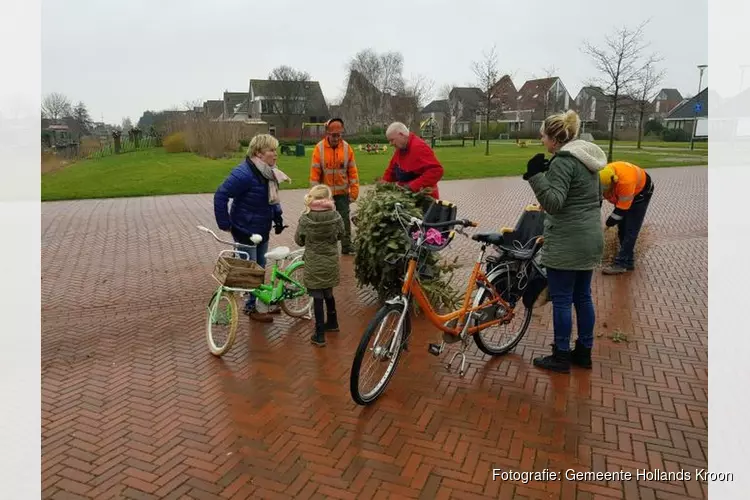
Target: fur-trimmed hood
{"type": "Point", "coordinates": [588, 153]}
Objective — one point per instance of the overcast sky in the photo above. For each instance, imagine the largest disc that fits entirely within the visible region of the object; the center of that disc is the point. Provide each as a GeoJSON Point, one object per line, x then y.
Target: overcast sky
{"type": "Point", "coordinates": [122, 58]}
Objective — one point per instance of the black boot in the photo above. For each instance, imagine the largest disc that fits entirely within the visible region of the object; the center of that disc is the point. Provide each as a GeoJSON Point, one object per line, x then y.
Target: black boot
{"type": "Point", "coordinates": [332, 324]}
{"type": "Point", "coordinates": [559, 361]}
{"type": "Point", "coordinates": [581, 356]}
{"type": "Point", "coordinates": [318, 338]}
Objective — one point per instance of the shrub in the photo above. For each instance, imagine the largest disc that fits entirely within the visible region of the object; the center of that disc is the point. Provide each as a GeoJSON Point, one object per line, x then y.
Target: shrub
{"type": "Point", "coordinates": [654, 127]}
{"type": "Point", "coordinates": [379, 237]}
{"type": "Point", "coordinates": [175, 143]}
{"type": "Point", "coordinates": [675, 135]}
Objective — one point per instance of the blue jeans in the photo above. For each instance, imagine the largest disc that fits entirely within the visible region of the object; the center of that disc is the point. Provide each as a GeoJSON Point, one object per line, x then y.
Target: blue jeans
{"type": "Point", "coordinates": [258, 254]}
{"type": "Point", "coordinates": [627, 232]}
{"type": "Point", "coordinates": [566, 288]}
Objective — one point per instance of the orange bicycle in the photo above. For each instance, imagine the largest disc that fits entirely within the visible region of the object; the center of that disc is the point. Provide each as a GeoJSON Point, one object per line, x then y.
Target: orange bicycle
{"type": "Point", "coordinates": [511, 278]}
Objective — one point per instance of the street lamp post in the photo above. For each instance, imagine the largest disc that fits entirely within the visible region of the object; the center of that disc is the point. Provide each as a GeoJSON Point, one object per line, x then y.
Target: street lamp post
{"type": "Point", "coordinates": [701, 67]}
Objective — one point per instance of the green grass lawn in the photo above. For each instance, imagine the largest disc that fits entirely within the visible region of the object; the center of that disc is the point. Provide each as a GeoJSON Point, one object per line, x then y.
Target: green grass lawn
{"type": "Point", "coordinates": [155, 172]}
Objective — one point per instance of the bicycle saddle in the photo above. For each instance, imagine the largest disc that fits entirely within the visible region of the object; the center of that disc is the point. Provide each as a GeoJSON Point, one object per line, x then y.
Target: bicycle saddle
{"type": "Point", "coordinates": [278, 253]}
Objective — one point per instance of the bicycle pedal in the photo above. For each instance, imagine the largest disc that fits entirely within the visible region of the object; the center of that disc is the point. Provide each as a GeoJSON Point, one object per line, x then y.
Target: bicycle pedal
{"type": "Point", "coordinates": [435, 349]}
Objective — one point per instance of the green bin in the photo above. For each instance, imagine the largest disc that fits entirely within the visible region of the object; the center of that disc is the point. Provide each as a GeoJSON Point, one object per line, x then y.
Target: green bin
{"type": "Point", "coordinates": [300, 150]}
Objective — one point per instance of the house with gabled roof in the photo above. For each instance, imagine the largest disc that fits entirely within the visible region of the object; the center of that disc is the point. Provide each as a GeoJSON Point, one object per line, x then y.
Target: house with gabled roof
{"type": "Point", "coordinates": [504, 94]}
{"type": "Point", "coordinates": [213, 109]}
{"type": "Point", "coordinates": [665, 101]}
{"type": "Point", "coordinates": [593, 107]}
{"type": "Point", "coordinates": [685, 114]}
{"type": "Point", "coordinates": [285, 106]}
{"type": "Point", "coordinates": [438, 112]}
{"type": "Point", "coordinates": [365, 107]}
{"type": "Point", "coordinates": [534, 101]}
{"type": "Point", "coordinates": [464, 107]}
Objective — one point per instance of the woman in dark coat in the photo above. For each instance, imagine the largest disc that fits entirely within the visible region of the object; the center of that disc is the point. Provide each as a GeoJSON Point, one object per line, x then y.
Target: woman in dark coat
{"type": "Point", "coordinates": [567, 188]}
{"type": "Point", "coordinates": [253, 186]}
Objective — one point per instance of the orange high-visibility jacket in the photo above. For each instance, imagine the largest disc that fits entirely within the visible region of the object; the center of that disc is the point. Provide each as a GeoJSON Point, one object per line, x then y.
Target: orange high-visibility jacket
{"type": "Point", "coordinates": [335, 168]}
{"type": "Point", "coordinates": [631, 179]}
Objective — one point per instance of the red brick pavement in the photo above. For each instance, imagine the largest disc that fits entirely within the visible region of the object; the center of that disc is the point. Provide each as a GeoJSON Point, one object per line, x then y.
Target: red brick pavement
{"type": "Point", "coordinates": [134, 406]}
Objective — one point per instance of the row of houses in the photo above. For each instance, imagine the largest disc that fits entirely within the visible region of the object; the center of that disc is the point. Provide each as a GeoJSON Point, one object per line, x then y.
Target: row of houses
{"type": "Point", "coordinates": [523, 110]}
{"type": "Point", "coordinates": [296, 109]}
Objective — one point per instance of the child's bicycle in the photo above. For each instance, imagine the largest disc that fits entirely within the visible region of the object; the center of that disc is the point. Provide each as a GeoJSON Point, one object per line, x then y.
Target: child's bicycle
{"type": "Point", "coordinates": [238, 276]}
{"type": "Point", "coordinates": [511, 277]}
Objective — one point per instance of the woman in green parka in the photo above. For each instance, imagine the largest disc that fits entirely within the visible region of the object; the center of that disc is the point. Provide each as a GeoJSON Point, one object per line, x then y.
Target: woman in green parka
{"type": "Point", "coordinates": [319, 230]}
{"type": "Point", "coordinates": [567, 188]}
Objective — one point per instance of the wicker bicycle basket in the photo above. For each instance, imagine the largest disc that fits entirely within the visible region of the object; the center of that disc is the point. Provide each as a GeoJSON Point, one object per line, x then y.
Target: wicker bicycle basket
{"type": "Point", "coordinates": [238, 273]}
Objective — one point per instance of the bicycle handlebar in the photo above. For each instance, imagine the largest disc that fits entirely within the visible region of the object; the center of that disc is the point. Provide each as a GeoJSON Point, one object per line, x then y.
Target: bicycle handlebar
{"type": "Point", "coordinates": [458, 222]}
{"type": "Point", "coordinates": [255, 238]}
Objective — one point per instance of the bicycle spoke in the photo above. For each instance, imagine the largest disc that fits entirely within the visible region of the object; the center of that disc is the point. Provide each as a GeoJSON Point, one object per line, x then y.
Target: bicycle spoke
{"type": "Point", "coordinates": [379, 355]}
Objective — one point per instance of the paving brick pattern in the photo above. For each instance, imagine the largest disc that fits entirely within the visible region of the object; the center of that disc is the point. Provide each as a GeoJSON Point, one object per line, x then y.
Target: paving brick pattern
{"type": "Point", "coordinates": [134, 405]}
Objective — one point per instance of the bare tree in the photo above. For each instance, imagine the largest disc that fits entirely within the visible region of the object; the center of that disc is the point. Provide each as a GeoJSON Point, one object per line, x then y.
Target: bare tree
{"type": "Point", "coordinates": [487, 73]}
{"type": "Point", "coordinates": [82, 119]}
{"type": "Point", "coordinates": [127, 124]}
{"type": "Point", "coordinates": [644, 89]}
{"type": "Point", "coordinates": [419, 87]}
{"type": "Point", "coordinates": [56, 106]}
{"type": "Point", "coordinates": [618, 63]}
{"type": "Point", "coordinates": [444, 91]}
{"type": "Point", "coordinates": [406, 105]}
{"type": "Point", "coordinates": [291, 93]}
{"type": "Point", "coordinates": [191, 105]}
{"type": "Point", "coordinates": [373, 78]}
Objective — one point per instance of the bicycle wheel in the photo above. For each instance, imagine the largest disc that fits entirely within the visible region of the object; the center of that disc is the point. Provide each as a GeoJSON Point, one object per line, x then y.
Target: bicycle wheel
{"type": "Point", "coordinates": [382, 330]}
{"type": "Point", "coordinates": [221, 323]}
{"type": "Point", "coordinates": [501, 338]}
{"type": "Point", "coordinates": [297, 306]}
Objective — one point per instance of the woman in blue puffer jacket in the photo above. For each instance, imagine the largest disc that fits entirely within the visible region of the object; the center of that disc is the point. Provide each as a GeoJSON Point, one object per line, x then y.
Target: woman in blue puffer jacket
{"type": "Point", "coordinates": [253, 185]}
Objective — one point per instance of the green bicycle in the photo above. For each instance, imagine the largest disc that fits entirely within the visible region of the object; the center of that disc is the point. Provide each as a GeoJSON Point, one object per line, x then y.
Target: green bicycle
{"type": "Point", "coordinates": [239, 276]}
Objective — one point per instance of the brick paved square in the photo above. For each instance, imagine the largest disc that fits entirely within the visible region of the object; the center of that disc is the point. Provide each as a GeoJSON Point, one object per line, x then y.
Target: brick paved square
{"type": "Point", "coordinates": [135, 406]}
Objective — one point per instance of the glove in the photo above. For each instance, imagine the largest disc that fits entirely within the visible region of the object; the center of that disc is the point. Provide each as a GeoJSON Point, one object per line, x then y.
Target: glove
{"type": "Point", "coordinates": [611, 222]}
{"type": "Point", "coordinates": [279, 227]}
{"type": "Point", "coordinates": [536, 165]}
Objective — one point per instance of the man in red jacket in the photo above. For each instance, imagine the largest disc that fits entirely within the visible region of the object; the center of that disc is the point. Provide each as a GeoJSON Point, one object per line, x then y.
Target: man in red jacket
{"type": "Point", "coordinates": [413, 164]}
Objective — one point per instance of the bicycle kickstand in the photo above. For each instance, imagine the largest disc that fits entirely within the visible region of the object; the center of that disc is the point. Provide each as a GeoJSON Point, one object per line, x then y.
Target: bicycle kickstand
{"type": "Point", "coordinates": [462, 367]}
{"type": "Point", "coordinates": [464, 345]}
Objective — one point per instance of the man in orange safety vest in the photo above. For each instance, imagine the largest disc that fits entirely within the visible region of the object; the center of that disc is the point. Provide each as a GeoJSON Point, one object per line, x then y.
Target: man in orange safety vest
{"type": "Point", "coordinates": [629, 188]}
{"type": "Point", "coordinates": [333, 165]}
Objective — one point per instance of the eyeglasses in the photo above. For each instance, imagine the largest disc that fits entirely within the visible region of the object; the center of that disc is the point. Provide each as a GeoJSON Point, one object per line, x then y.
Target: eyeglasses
{"type": "Point", "coordinates": [335, 135]}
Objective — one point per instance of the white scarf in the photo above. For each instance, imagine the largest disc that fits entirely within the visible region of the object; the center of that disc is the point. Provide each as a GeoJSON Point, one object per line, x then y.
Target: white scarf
{"type": "Point", "coordinates": [274, 177]}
